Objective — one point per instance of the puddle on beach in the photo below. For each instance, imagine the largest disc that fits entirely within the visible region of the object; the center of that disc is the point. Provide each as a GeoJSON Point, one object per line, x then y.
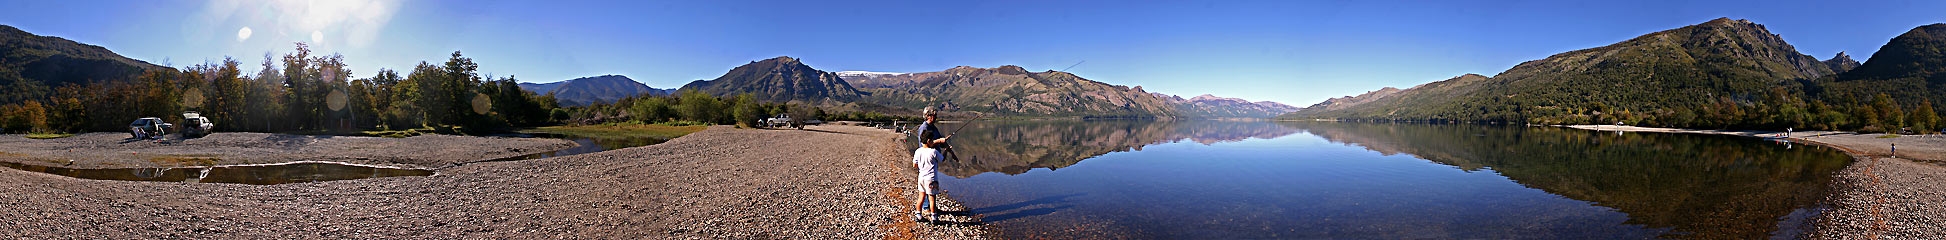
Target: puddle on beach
{"type": "Point", "coordinates": [582, 145]}
{"type": "Point", "coordinates": [309, 171]}
{"type": "Point", "coordinates": [259, 174]}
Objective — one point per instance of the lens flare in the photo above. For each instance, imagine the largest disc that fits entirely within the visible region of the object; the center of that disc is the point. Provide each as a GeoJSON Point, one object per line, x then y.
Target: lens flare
{"type": "Point", "coordinates": [482, 103]}
{"type": "Point", "coordinates": [336, 100]}
{"type": "Point", "coordinates": [243, 34]}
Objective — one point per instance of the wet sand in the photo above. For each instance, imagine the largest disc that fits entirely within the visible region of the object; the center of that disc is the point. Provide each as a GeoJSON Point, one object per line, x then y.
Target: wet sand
{"type": "Point", "coordinates": [825, 182]}
{"type": "Point", "coordinates": [1880, 195]}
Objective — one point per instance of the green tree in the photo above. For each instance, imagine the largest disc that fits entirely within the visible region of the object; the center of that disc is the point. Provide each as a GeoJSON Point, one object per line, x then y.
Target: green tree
{"type": "Point", "coordinates": [264, 103]}
{"type": "Point", "coordinates": [457, 80]}
{"type": "Point", "coordinates": [746, 110]}
{"type": "Point", "coordinates": [651, 109]}
{"type": "Point", "coordinates": [429, 94]}
{"type": "Point", "coordinates": [698, 106]}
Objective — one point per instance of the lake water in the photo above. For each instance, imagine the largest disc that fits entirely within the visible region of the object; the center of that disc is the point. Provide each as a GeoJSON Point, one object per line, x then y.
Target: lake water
{"type": "Point", "coordinates": [1209, 179]}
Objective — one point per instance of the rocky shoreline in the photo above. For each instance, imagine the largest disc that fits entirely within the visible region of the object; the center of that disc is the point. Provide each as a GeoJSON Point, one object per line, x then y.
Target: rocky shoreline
{"type": "Point", "coordinates": [825, 182]}
{"type": "Point", "coordinates": [1880, 195]}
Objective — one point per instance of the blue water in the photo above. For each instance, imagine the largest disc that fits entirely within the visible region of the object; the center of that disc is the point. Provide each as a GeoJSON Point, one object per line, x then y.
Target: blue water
{"type": "Point", "coordinates": [1202, 180]}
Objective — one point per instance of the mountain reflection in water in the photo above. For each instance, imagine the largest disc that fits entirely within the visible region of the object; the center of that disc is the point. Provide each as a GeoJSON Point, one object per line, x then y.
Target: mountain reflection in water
{"type": "Point", "coordinates": [1018, 146]}
{"type": "Point", "coordinates": [1348, 180]}
{"type": "Point", "coordinates": [1704, 186]}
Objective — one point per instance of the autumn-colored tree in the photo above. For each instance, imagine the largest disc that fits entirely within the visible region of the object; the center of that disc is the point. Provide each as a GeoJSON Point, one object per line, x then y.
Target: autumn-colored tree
{"type": "Point", "coordinates": [1924, 119]}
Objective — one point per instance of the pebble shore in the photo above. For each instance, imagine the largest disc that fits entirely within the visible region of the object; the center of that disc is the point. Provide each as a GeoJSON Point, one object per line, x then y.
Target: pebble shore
{"type": "Point", "coordinates": [825, 182]}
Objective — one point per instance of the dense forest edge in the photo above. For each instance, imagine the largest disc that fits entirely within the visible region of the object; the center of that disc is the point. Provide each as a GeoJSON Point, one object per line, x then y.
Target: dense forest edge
{"type": "Point", "coordinates": [305, 93]}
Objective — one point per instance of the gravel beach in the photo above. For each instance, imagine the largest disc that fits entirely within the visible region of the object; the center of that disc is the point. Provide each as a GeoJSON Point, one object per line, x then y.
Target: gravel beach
{"type": "Point", "coordinates": [1878, 195]}
{"type": "Point", "coordinates": [115, 150]}
{"type": "Point", "coordinates": [825, 182]}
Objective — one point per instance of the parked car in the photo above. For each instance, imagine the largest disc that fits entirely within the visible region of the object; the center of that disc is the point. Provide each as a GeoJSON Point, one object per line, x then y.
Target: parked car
{"type": "Point", "coordinates": [148, 127]}
{"type": "Point", "coordinates": [782, 121]}
{"type": "Point", "coordinates": [194, 125]}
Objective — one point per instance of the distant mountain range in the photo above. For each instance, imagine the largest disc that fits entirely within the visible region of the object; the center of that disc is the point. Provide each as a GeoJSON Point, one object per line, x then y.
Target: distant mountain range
{"type": "Point", "coordinates": [32, 65]}
{"type": "Point", "coordinates": [591, 90]}
{"type": "Point", "coordinates": [1014, 90]}
{"type": "Point", "coordinates": [1213, 106]}
{"type": "Point", "coordinates": [1009, 90]}
{"type": "Point", "coordinates": [1661, 74]}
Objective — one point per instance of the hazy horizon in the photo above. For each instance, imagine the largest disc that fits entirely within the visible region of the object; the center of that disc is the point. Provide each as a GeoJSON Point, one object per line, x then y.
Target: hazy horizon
{"type": "Point", "coordinates": [1297, 53]}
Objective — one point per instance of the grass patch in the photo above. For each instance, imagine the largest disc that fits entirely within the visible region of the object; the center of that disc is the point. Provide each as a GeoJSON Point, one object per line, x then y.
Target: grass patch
{"type": "Point", "coordinates": [1888, 136]}
{"type": "Point", "coordinates": [185, 160]}
{"type": "Point", "coordinates": [48, 135]}
{"type": "Point", "coordinates": [620, 130]}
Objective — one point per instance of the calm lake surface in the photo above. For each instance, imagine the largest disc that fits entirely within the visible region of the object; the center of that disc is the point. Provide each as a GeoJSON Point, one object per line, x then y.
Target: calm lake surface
{"type": "Point", "coordinates": [1210, 179]}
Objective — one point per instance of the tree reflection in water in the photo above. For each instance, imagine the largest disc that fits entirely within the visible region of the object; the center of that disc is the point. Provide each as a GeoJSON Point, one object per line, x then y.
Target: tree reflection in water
{"type": "Point", "coordinates": [1703, 186]}
{"type": "Point", "coordinates": [1018, 146]}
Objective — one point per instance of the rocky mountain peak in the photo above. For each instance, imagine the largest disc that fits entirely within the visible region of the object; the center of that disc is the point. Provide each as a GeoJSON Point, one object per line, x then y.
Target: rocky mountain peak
{"type": "Point", "coordinates": [780, 79]}
{"type": "Point", "coordinates": [1011, 70]}
{"type": "Point", "coordinates": [1841, 63]}
{"type": "Point", "coordinates": [784, 59]}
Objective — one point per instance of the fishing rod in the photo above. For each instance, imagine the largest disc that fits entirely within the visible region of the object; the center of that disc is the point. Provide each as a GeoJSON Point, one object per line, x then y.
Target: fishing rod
{"type": "Point", "coordinates": [962, 125]}
{"type": "Point", "coordinates": [948, 148]}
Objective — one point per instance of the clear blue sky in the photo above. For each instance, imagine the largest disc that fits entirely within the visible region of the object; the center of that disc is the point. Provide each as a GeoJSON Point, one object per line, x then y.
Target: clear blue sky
{"type": "Point", "coordinates": [1296, 52]}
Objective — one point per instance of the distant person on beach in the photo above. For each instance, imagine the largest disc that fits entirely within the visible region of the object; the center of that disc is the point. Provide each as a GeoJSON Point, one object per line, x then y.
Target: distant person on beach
{"type": "Point", "coordinates": [926, 159]}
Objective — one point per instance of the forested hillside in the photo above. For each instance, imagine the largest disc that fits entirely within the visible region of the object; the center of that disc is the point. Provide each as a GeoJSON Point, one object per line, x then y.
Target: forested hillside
{"type": "Point", "coordinates": [32, 65]}
{"type": "Point", "coordinates": [1719, 74]}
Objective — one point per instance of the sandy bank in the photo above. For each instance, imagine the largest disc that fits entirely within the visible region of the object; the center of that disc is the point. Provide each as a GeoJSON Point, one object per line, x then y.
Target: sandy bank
{"type": "Point", "coordinates": [1879, 195]}
{"type": "Point", "coordinates": [825, 182]}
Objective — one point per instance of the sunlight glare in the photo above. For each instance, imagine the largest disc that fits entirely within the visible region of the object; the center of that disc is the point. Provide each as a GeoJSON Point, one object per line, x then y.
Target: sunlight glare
{"type": "Point", "coordinates": [243, 34]}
